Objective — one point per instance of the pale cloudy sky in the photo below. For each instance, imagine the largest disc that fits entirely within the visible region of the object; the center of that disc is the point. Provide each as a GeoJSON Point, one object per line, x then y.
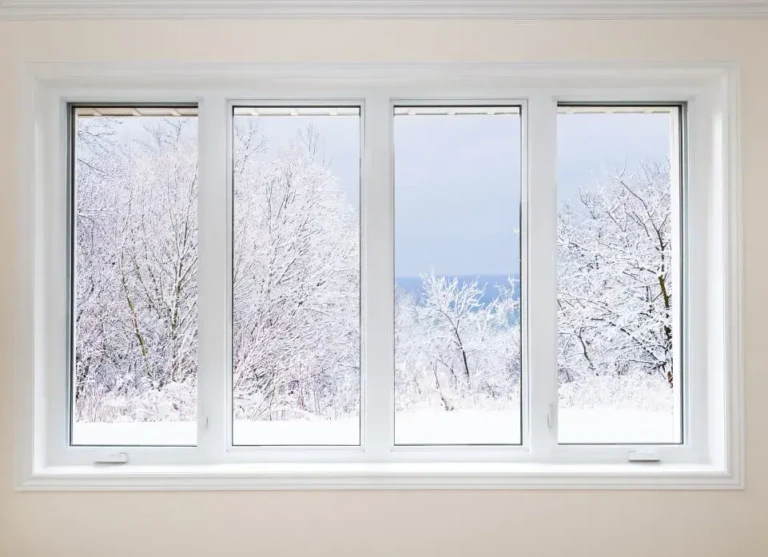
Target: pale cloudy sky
{"type": "Point", "coordinates": [457, 178]}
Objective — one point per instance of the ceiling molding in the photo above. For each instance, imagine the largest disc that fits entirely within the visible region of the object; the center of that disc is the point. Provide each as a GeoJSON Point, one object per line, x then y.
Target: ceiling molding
{"type": "Point", "coordinates": [382, 9]}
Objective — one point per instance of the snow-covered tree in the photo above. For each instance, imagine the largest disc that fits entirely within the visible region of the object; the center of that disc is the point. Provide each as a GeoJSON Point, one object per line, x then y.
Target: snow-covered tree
{"type": "Point", "coordinates": [296, 285]}
{"type": "Point", "coordinates": [615, 299]}
{"type": "Point", "coordinates": [453, 349]}
{"type": "Point", "coordinates": [136, 257]}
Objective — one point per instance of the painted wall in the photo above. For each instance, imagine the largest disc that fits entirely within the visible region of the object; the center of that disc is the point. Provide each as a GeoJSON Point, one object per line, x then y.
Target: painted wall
{"type": "Point", "coordinates": [445, 524]}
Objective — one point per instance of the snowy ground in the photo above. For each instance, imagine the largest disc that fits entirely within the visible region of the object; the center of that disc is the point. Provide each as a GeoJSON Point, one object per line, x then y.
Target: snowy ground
{"type": "Point", "coordinates": [604, 425]}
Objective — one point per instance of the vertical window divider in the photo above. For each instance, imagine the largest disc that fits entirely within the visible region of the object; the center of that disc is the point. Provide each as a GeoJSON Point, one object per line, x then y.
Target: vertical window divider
{"type": "Point", "coordinates": [377, 280]}
{"type": "Point", "coordinates": [214, 276]}
{"type": "Point", "coordinates": [677, 182]}
{"type": "Point", "coordinates": [540, 295]}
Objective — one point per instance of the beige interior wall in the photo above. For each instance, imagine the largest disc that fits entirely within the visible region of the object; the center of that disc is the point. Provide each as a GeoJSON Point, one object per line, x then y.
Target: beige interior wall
{"type": "Point", "coordinates": [447, 523]}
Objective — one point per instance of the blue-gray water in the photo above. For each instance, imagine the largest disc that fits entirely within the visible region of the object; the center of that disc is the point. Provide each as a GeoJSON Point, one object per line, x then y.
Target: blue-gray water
{"type": "Point", "coordinates": [412, 285]}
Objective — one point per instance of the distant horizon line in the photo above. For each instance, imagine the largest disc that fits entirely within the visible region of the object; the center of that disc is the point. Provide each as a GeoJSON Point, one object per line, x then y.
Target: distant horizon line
{"type": "Point", "coordinates": [517, 273]}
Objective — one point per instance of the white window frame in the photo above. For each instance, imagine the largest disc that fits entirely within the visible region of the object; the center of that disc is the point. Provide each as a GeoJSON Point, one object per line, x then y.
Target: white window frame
{"type": "Point", "coordinates": [711, 456]}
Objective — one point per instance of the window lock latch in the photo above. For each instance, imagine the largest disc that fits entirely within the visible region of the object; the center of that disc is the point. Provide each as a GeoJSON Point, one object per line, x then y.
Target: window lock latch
{"type": "Point", "coordinates": [551, 411]}
{"type": "Point", "coordinates": [112, 458]}
{"type": "Point", "coordinates": [644, 456]}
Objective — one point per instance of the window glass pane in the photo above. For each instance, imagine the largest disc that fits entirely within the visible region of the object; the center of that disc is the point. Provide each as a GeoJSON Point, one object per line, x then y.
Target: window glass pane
{"type": "Point", "coordinates": [457, 275]}
{"type": "Point", "coordinates": [296, 276]}
{"type": "Point", "coordinates": [618, 263]}
{"type": "Point", "coordinates": [135, 276]}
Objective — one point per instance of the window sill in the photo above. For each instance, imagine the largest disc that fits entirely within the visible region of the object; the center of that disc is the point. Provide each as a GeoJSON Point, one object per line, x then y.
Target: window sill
{"type": "Point", "coordinates": [380, 476]}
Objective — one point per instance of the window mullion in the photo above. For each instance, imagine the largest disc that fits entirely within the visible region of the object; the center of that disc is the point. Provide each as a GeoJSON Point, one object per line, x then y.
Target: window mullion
{"type": "Point", "coordinates": [540, 282]}
{"type": "Point", "coordinates": [213, 278]}
{"type": "Point", "coordinates": [377, 280]}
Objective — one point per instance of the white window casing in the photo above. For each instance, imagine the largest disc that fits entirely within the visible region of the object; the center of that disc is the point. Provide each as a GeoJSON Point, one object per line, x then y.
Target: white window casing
{"type": "Point", "coordinates": [711, 455]}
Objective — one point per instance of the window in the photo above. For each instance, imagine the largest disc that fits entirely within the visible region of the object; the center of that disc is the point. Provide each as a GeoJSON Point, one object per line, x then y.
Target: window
{"type": "Point", "coordinates": [296, 275]}
{"type": "Point", "coordinates": [458, 345]}
{"type": "Point", "coordinates": [134, 306]}
{"type": "Point", "coordinates": [430, 280]}
{"type": "Point", "coordinates": [619, 301]}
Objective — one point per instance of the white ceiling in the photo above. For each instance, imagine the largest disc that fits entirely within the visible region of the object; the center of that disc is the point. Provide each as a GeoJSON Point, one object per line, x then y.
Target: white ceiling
{"type": "Point", "coordinates": [335, 9]}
